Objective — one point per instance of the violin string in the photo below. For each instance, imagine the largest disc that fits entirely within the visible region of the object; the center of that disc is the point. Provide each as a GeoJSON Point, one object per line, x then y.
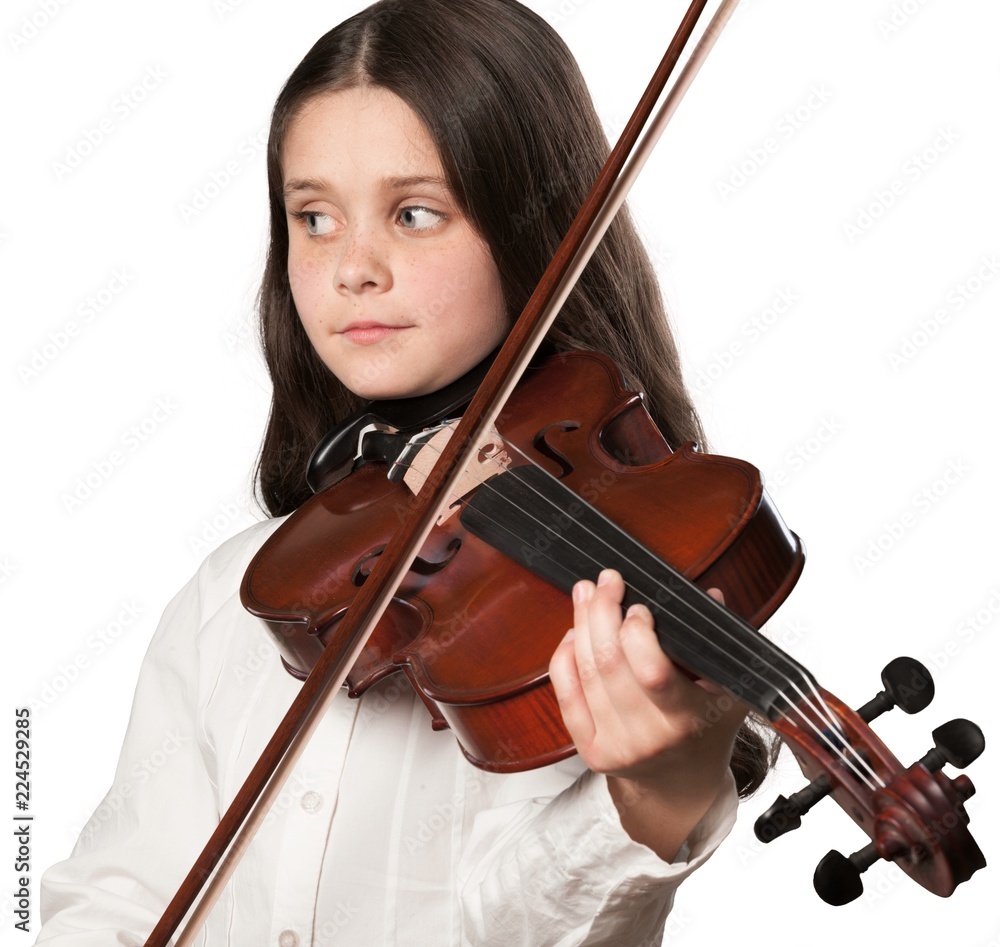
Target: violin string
{"type": "Point", "coordinates": [822, 711]}
{"type": "Point", "coordinates": [820, 708]}
{"type": "Point", "coordinates": [830, 720]}
{"type": "Point", "coordinates": [821, 735]}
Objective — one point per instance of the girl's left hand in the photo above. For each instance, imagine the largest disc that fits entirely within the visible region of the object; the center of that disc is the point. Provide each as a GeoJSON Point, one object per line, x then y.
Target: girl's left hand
{"type": "Point", "coordinates": [663, 740]}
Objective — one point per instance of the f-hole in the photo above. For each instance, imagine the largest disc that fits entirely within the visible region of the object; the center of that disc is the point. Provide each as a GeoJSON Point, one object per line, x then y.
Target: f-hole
{"type": "Point", "coordinates": [542, 445]}
{"type": "Point", "coordinates": [364, 567]}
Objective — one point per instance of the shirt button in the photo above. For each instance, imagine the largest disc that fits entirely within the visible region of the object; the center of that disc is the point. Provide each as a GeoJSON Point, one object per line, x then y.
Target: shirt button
{"type": "Point", "coordinates": [288, 939]}
{"type": "Point", "coordinates": [310, 801]}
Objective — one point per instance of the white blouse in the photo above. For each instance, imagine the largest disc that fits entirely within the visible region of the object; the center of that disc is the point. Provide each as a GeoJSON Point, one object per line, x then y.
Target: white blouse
{"type": "Point", "coordinates": [384, 834]}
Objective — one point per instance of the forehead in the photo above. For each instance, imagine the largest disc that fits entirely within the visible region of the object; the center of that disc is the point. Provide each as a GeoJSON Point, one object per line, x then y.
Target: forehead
{"type": "Point", "coordinates": [363, 129]}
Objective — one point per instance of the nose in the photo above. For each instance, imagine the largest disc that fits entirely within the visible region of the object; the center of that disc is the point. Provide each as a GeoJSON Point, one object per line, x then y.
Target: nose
{"type": "Point", "coordinates": [364, 263]}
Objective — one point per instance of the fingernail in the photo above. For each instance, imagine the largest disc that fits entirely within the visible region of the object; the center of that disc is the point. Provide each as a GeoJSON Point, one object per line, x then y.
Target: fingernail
{"type": "Point", "coordinates": [605, 577]}
{"type": "Point", "coordinates": [579, 593]}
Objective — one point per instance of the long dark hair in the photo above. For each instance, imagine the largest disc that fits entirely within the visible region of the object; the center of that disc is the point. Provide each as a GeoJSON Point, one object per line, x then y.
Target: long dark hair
{"type": "Point", "coordinates": [521, 144]}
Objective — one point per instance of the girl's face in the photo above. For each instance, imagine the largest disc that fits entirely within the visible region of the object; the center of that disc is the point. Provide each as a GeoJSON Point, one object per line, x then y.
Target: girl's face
{"type": "Point", "coordinates": [397, 292]}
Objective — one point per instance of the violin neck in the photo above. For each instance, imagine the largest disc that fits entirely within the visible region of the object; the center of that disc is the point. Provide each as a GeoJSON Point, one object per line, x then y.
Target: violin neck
{"type": "Point", "coordinates": [535, 520]}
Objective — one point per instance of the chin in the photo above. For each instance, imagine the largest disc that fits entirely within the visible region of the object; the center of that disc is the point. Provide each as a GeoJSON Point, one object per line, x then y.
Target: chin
{"type": "Point", "coordinates": [383, 392]}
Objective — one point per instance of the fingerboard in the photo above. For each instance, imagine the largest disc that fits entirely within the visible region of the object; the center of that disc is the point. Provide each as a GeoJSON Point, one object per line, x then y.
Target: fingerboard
{"type": "Point", "coordinates": [535, 520]}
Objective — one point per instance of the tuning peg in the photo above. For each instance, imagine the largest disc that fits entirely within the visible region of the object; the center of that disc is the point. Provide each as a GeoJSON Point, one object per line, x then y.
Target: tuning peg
{"type": "Point", "coordinates": [908, 686]}
{"type": "Point", "coordinates": [837, 879]}
{"type": "Point", "coordinates": [958, 742]}
{"type": "Point", "coordinates": [785, 815]}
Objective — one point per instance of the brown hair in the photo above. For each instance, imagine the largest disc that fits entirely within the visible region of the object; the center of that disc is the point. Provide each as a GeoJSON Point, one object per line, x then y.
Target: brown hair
{"type": "Point", "coordinates": [521, 144]}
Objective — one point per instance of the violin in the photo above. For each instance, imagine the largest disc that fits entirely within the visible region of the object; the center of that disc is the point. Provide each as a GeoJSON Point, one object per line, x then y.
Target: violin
{"type": "Point", "coordinates": [557, 497]}
{"type": "Point", "coordinates": [353, 597]}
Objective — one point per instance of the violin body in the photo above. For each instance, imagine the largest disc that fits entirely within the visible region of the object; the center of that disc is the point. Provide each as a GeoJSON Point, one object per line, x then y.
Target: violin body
{"type": "Point", "coordinates": [483, 607]}
{"type": "Point", "coordinates": [472, 627]}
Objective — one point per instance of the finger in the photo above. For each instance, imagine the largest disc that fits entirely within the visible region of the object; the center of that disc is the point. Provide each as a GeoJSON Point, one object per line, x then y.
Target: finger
{"type": "Point", "coordinates": [620, 703]}
{"type": "Point", "coordinates": [653, 671]}
{"type": "Point", "coordinates": [707, 685]}
{"type": "Point", "coordinates": [663, 683]}
{"type": "Point", "coordinates": [602, 664]}
{"type": "Point", "coordinates": [602, 614]}
{"type": "Point", "coordinates": [583, 592]}
{"type": "Point", "coordinates": [569, 692]}
{"type": "Point", "coordinates": [587, 712]}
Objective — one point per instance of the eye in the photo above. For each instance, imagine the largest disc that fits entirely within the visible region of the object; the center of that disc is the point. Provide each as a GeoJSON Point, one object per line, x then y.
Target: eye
{"type": "Point", "coordinates": [317, 224]}
{"type": "Point", "coordinates": [419, 218]}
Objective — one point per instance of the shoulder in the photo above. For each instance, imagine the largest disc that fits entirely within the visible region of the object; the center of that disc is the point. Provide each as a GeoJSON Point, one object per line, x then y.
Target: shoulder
{"type": "Point", "coordinates": [235, 553]}
{"type": "Point", "coordinates": [221, 572]}
{"type": "Point", "coordinates": [211, 595]}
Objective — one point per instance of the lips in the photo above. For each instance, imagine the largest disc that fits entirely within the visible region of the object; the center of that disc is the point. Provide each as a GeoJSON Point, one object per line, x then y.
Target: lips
{"type": "Point", "coordinates": [369, 333]}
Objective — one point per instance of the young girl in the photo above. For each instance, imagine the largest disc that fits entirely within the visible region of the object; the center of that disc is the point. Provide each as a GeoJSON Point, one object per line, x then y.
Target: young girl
{"type": "Point", "coordinates": [425, 158]}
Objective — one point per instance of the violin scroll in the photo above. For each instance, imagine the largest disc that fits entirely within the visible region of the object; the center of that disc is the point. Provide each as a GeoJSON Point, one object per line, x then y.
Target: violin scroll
{"type": "Point", "coordinates": [913, 816]}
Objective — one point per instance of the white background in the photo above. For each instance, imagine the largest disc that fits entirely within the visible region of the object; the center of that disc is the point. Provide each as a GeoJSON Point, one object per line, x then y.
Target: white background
{"type": "Point", "coordinates": [864, 423]}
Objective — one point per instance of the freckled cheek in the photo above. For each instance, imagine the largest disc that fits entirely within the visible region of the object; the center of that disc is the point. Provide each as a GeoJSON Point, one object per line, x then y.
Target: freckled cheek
{"type": "Point", "coordinates": [309, 285]}
{"type": "Point", "coordinates": [490, 309]}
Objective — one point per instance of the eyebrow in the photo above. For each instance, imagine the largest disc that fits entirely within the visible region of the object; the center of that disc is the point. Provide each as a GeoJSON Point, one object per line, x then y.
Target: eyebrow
{"type": "Point", "coordinates": [402, 183]}
{"type": "Point", "coordinates": [396, 183]}
{"type": "Point", "coordinates": [294, 185]}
